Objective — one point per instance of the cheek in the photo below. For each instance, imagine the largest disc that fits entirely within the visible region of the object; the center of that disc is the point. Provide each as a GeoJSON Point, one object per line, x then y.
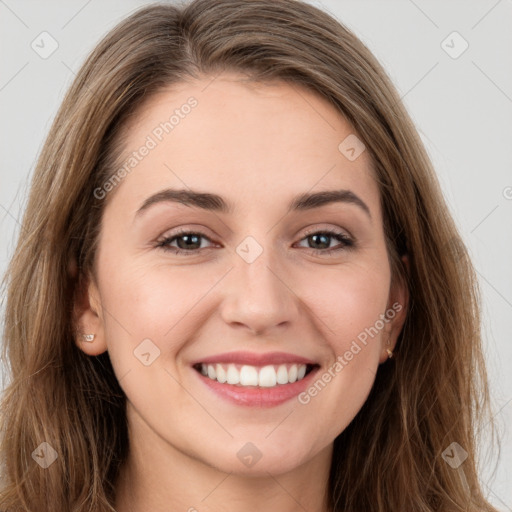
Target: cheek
{"type": "Point", "coordinates": [349, 311]}
{"type": "Point", "coordinates": [152, 302]}
{"type": "Point", "coordinates": [347, 302]}
{"type": "Point", "coordinates": [151, 313]}
{"type": "Point", "coordinates": [349, 305]}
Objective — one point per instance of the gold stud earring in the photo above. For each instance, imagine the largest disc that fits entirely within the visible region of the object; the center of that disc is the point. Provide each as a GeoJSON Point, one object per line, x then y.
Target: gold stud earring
{"type": "Point", "coordinates": [88, 337]}
{"type": "Point", "coordinates": [390, 352]}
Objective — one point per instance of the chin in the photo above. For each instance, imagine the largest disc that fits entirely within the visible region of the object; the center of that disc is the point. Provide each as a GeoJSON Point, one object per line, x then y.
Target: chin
{"type": "Point", "coordinates": [259, 456]}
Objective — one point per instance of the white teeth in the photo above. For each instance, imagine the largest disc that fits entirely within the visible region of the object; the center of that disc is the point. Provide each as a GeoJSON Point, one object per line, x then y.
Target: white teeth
{"type": "Point", "coordinates": [248, 376]}
{"type": "Point", "coordinates": [282, 375]}
{"type": "Point", "coordinates": [267, 376]}
{"type": "Point", "coordinates": [233, 375]}
{"type": "Point", "coordinates": [221, 373]}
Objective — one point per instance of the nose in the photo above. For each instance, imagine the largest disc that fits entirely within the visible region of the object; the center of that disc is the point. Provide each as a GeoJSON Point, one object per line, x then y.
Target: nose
{"type": "Point", "coordinates": [259, 297]}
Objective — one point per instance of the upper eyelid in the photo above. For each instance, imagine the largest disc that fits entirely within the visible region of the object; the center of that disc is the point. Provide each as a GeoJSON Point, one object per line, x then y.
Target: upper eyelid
{"type": "Point", "coordinates": [202, 231]}
{"type": "Point", "coordinates": [332, 230]}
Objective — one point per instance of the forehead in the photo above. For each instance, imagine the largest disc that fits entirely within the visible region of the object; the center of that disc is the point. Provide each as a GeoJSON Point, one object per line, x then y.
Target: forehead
{"type": "Point", "coordinates": [242, 139]}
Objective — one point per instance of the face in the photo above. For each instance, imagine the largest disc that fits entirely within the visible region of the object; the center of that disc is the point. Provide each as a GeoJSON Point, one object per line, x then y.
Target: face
{"type": "Point", "coordinates": [256, 278]}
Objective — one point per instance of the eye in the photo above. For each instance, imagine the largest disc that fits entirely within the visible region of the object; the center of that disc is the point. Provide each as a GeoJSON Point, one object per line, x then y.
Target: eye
{"type": "Point", "coordinates": [320, 239]}
{"type": "Point", "coordinates": [188, 242]}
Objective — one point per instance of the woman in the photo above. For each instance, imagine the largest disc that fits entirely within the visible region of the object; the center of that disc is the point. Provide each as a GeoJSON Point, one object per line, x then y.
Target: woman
{"type": "Point", "coordinates": [176, 337]}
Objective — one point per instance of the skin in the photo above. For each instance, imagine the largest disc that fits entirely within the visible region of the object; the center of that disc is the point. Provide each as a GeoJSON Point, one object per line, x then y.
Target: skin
{"type": "Point", "coordinates": [257, 145]}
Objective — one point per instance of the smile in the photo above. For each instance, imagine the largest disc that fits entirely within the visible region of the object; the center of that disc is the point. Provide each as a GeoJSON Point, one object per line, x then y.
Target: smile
{"type": "Point", "coordinates": [267, 376]}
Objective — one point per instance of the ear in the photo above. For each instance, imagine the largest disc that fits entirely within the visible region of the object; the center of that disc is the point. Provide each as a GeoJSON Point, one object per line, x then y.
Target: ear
{"type": "Point", "coordinates": [88, 317]}
{"type": "Point", "coordinates": [396, 312]}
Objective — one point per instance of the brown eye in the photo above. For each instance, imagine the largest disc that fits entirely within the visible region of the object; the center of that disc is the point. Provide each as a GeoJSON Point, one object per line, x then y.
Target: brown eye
{"type": "Point", "coordinates": [188, 242]}
{"type": "Point", "coordinates": [321, 240]}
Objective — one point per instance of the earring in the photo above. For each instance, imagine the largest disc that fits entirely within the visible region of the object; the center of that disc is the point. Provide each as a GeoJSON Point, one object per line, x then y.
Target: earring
{"type": "Point", "coordinates": [88, 337]}
{"type": "Point", "coordinates": [390, 353]}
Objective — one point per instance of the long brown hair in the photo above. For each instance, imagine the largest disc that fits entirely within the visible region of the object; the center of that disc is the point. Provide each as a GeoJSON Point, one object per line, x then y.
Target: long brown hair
{"type": "Point", "coordinates": [434, 393]}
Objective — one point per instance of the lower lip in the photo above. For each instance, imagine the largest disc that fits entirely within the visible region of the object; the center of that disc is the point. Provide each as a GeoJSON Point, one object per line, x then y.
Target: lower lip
{"type": "Point", "coordinates": [255, 396]}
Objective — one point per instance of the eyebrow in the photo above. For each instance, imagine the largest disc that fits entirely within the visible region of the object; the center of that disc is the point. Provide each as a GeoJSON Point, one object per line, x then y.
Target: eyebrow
{"type": "Point", "coordinates": [215, 203]}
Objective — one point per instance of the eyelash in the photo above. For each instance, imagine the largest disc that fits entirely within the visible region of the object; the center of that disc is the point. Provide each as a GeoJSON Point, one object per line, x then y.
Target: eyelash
{"type": "Point", "coordinates": [347, 242]}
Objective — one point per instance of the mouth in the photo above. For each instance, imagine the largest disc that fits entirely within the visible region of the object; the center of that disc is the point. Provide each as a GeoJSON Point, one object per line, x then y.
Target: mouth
{"type": "Point", "coordinates": [251, 376]}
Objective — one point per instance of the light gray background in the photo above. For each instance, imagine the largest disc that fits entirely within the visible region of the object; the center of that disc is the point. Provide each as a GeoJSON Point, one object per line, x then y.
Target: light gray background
{"type": "Point", "coordinates": [462, 108]}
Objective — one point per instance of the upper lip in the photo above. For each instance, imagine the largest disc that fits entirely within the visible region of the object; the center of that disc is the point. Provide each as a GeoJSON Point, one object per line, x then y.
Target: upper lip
{"type": "Point", "coordinates": [255, 359]}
